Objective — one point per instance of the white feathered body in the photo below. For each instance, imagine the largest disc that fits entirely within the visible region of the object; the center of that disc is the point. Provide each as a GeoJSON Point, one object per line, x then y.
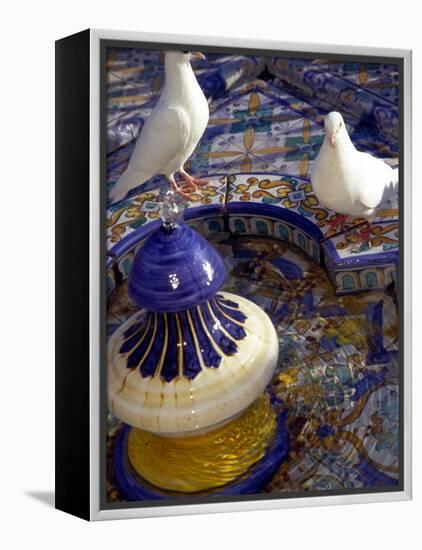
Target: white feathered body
{"type": "Point", "coordinates": [350, 182]}
{"type": "Point", "coordinates": [171, 133]}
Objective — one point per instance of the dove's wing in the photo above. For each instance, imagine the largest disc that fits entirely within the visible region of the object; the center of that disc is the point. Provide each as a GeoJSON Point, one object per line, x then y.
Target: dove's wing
{"type": "Point", "coordinates": [374, 177]}
{"type": "Point", "coordinates": [164, 135]}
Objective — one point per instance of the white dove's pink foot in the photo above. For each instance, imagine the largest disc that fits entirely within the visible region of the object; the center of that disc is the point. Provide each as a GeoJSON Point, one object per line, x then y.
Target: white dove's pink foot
{"type": "Point", "coordinates": [178, 190]}
{"type": "Point", "coordinates": [191, 181]}
{"type": "Point", "coordinates": [336, 223]}
{"type": "Point", "coordinates": [363, 238]}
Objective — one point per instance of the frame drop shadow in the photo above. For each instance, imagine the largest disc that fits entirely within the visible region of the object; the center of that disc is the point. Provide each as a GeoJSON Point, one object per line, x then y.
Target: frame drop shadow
{"type": "Point", "coordinates": [45, 497]}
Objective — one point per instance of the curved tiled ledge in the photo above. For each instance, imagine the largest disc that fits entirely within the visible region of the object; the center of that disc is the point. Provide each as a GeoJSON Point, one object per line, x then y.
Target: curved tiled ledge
{"type": "Point", "coordinates": [281, 207]}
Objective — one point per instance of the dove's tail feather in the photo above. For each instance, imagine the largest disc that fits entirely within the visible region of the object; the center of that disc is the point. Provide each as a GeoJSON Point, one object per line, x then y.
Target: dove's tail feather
{"type": "Point", "coordinates": [127, 181]}
{"type": "Point", "coordinates": [392, 187]}
{"type": "Point", "coordinates": [394, 184]}
{"type": "Point", "coordinates": [396, 178]}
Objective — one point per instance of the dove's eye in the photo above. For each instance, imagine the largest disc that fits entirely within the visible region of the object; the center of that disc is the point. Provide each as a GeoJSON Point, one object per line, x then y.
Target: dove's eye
{"type": "Point", "coordinates": [185, 51]}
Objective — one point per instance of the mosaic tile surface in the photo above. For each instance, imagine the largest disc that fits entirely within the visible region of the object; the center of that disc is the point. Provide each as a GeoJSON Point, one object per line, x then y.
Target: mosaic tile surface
{"type": "Point", "coordinates": [338, 372]}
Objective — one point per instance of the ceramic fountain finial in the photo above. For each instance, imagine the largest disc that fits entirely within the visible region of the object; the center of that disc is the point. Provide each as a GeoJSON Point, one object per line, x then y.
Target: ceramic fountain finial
{"type": "Point", "coordinates": [172, 208]}
{"type": "Point", "coordinates": [193, 357]}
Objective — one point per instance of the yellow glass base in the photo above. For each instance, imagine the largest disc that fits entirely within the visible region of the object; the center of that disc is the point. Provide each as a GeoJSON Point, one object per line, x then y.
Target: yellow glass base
{"type": "Point", "coordinates": [206, 461]}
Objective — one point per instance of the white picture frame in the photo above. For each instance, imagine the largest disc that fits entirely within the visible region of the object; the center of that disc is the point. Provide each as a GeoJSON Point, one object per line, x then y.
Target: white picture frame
{"type": "Point", "coordinates": [94, 510]}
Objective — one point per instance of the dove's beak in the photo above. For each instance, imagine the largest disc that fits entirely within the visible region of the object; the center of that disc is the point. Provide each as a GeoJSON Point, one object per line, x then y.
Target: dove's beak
{"type": "Point", "coordinates": [198, 55]}
{"type": "Point", "coordinates": [332, 139]}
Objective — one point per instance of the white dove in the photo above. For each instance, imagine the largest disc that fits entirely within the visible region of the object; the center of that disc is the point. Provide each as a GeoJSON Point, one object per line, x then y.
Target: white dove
{"type": "Point", "coordinates": [349, 182]}
{"type": "Point", "coordinates": [171, 132]}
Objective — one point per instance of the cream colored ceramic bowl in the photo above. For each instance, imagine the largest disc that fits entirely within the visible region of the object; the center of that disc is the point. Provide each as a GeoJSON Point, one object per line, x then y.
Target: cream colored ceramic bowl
{"type": "Point", "coordinates": [186, 406]}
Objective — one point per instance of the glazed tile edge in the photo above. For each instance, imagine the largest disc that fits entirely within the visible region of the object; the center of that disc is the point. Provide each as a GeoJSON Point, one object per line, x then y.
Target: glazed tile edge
{"type": "Point", "coordinates": [293, 194]}
{"type": "Point", "coordinates": [384, 263]}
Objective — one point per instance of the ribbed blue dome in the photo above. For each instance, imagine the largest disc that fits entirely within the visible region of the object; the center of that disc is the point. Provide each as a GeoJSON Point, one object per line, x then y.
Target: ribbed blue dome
{"type": "Point", "coordinates": [175, 270]}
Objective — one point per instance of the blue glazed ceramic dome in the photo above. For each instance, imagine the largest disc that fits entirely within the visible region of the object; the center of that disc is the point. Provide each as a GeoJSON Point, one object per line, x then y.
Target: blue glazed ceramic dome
{"type": "Point", "coordinates": [175, 270]}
